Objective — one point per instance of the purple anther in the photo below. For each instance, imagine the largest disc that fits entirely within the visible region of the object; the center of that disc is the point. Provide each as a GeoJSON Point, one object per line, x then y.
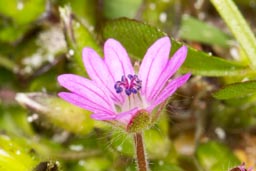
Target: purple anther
{"type": "Point", "coordinates": [130, 85]}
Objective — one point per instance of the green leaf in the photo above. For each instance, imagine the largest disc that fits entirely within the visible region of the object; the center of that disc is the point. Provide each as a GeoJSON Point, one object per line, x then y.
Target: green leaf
{"type": "Point", "coordinates": [238, 26]}
{"type": "Point", "coordinates": [157, 138]}
{"type": "Point", "coordinates": [234, 114]}
{"type": "Point", "coordinates": [38, 83]}
{"type": "Point", "coordinates": [134, 36]}
{"type": "Point", "coordinates": [85, 9]}
{"type": "Point", "coordinates": [196, 30]}
{"type": "Point", "coordinates": [137, 37]}
{"type": "Point", "coordinates": [58, 112]}
{"type": "Point", "coordinates": [10, 32]}
{"type": "Point", "coordinates": [121, 8]}
{"type": "Point", "coordinates": [15, 155]}
{"type": "Point", "coordinates": [164, 166]}
{"type": "Point", "coordinates": [200, 63]}
{"type": "Point", "coordinates": [21, 153]}
{"type": "Point", "coordinates": [22, 12]}
{"type": "Point", "coordinates": [14, 119]}
{"type": "Point", "coordinates": [236, 90]}
{"type": "Point", "coordinates": [214, 156]}
{"type": "Point", "coordinates": [93, 164]}
{"type": "Point", "coordinates": [17, 16]}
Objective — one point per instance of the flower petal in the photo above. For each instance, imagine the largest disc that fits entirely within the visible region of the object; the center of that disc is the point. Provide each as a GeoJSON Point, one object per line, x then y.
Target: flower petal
{"type": "Point", "coordinates": [98, 71]}
{"type": "Point", "coordinates": [169, 90]}
{"type": "Point", "coordinates": [87, 89]}
{"type": "Point", "coordinates": [172, 66]}
{"type": "Point", "coordinates": [125, 117]}
{"type": "Point", "coordinates": [117, 59]}
{"type": "Point", "coordinates": [103, 117]}
{"type": "Point", "coordinates": [153, 63]}
{"type": "Point", "coordinates": [84, 103]}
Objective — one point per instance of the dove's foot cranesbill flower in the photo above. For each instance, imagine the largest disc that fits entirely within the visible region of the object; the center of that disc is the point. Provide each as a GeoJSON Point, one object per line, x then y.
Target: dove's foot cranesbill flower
{"type": "Point", "coordinates": [116, 92]}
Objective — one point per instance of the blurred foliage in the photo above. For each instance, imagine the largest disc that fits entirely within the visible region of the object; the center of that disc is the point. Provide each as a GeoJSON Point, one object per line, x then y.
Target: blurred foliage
{"type": "Point", "coordinates": [195, 30]}
{"type": "Point", "coordinates": [236, 90]}
{"type": "Point", "coordinates": [206, 154]}
{"type": "Point", "coordinates": [209, 125]}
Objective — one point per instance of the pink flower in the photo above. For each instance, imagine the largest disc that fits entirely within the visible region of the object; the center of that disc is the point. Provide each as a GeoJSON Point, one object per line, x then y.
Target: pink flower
{"type": "Point", "coordinates": [115, 92]}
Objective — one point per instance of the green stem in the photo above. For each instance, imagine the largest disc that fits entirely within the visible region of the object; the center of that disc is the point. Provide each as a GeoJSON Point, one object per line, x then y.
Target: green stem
{"type": "Point", "coordinates": [140, 152]}
{"type": "Point", "coordinates": [238, 26]}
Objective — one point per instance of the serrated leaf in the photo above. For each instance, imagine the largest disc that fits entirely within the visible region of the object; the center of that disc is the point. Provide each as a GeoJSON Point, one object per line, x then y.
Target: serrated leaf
{"type": "Point", "coordinates": [196, 30]}
{"type": "Point", "coordinates": [137, 37]}
{"type": "Point", "coordinates": [58, 112]}
{"type": "Point", "coordinates": [236, 90]}
{"type": "Point", "coordinates": [134, 36]}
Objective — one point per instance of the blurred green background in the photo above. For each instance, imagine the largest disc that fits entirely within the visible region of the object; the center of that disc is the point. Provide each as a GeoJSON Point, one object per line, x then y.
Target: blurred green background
{"type": "Point", "coordinates": [201, 128]}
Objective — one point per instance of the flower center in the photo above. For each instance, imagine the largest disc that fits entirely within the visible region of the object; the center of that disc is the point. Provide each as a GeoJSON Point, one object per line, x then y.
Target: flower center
{"type": "Point", "coordinates": [130, 85]}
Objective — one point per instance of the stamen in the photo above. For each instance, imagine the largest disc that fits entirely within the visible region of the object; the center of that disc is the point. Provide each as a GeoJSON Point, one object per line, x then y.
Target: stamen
{"type": "Point", "coordinates": [130, 85]}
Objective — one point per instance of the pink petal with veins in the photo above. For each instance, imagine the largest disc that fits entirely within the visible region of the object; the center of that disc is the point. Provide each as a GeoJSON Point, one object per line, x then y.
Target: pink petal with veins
{"type": "Point", "coordinates": [87, 89]}
{"type": "Point", "coordinates": [117, 59]}
{"type": "Point", "coordinates": [84, 103]}
{"type": "Point", "coordinates": [172, 66]}
{"type": "Point", "coordinates": [170, 89]}
{"type": "Point", "coordinates": [98, 71]}
{"type": "Point", "coordinates": [153, 64]}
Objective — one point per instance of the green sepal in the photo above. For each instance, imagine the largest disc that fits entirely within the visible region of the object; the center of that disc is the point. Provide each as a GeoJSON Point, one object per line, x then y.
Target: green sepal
{"type": "Point", "coordinates": [139, 122]}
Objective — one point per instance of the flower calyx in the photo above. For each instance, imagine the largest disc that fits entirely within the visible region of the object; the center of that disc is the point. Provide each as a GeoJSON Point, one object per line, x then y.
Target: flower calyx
{"type": "Point", "coordinates": [140, 121]}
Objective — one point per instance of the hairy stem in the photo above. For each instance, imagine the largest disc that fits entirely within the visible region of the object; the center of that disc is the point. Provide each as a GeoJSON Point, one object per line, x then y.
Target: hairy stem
{"type": "Point", "coordinates": [140, 152]}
